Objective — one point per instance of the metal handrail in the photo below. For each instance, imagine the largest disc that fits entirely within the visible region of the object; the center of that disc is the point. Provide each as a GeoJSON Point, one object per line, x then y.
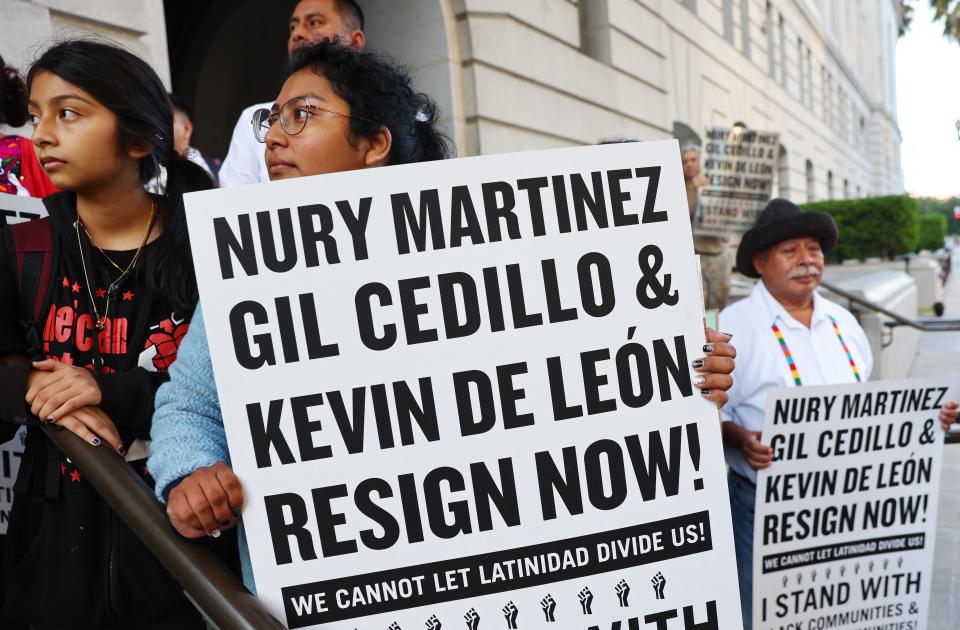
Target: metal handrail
{"type": "Point", "coordinates": [213, 589]}
{"type": "Point", "coordinates": [928, 325]}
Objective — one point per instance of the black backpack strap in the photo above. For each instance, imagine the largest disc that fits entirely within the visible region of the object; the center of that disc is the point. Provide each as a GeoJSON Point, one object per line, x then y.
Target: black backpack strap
{"type": "Point", "coordinates": [33, 258]}
{"type": "Point", "coordinates": [31, 268]}
{"type": "Point", "coordinates": [33, 254]}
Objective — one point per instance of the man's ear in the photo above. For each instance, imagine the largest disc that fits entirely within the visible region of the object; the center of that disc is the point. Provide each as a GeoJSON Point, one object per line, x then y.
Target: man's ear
{"type": "Point", "coordinates": [356, 40]}
{"type": "Point", "coordinates": [378, 148]}
{"type": "Point", "coordinates": [758, 261]}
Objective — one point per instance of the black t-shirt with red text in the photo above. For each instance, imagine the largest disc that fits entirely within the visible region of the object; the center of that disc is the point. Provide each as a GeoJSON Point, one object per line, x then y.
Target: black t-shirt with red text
{"type": "Point", "coordinates": [70, 326]}
{"type": "Point", "coordinates": [62, 537]}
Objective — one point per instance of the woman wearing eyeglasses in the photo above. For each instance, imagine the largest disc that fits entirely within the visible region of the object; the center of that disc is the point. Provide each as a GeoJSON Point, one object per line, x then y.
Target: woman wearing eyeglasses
{"type": "Point", "coordinates": [339, 110]}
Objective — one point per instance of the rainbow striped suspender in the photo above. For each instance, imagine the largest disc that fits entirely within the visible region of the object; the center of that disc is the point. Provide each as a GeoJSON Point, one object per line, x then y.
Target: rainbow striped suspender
{"type": "Point", "coordinates": [793, 364]}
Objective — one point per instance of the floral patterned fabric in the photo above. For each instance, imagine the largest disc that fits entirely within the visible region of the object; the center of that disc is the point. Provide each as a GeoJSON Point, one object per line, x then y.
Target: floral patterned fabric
{"type": "Point", "coordinates": [19, 161]}
{"type": "Point", "coordinates": [11, 159]}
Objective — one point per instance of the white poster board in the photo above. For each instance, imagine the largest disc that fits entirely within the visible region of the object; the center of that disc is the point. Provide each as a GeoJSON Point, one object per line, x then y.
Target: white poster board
{"type": "Point", "coordinates": [14, 209]}
{"type": "Point", "coordinates": [461, 391]}
{"type": "Point", "coordinates": [740, 165]}
{"type": "Point", "coordinates": [846, 516]}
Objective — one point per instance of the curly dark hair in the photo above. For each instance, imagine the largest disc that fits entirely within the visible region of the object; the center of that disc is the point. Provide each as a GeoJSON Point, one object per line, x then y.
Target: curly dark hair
{"type": "Point", "coordinates": [13, 97]}
{"type": "Point", "coordinates": [378, 89]}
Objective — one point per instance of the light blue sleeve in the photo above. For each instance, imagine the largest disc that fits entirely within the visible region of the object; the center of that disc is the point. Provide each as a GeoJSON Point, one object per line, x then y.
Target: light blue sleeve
{"type": "Point", "coordinates": [187, 431]}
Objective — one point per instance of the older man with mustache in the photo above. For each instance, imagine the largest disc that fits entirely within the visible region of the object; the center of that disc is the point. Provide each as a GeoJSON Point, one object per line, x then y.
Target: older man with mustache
{"type": "Point", "coordinates": [787, 334]}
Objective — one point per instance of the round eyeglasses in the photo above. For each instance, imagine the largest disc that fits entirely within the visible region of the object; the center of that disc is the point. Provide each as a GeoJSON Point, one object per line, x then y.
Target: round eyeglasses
{"type": "Point", "coordinates": [293, 116]}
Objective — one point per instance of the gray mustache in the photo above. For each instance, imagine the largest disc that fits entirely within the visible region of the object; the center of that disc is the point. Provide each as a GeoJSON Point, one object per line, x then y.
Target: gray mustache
{"type": "Point", "coordinates": [803, 270]}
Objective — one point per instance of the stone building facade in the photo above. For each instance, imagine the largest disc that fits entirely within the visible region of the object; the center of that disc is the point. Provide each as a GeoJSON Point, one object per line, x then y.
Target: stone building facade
{"type": "Point", "coordinates": [513, 75]}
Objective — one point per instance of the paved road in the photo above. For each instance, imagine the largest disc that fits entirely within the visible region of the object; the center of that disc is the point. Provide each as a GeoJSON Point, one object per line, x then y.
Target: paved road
{"type": "Point", "coordinates": [939, 353]}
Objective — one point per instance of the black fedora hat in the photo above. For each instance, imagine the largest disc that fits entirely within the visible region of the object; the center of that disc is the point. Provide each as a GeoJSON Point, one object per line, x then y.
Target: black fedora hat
{"type": "Point", "coordinates": [782, 220]}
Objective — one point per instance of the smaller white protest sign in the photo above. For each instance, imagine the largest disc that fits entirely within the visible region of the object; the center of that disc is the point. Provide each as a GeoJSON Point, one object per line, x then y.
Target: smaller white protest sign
{"type": "Point", "coordinates": [15, 209]}
{"type": "Point", "coordinates": [740, 165]}
{"type": "Point", "coordinates": [10, 454]}
{"type": "Point", "coordinates": [846, 516]}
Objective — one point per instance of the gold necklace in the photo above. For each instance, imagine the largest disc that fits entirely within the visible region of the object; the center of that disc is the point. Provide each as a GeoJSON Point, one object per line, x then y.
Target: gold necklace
{"type": "Point", "coordinates": [101, 321]}
{"type": "Point", "coordinates": [136, 257]}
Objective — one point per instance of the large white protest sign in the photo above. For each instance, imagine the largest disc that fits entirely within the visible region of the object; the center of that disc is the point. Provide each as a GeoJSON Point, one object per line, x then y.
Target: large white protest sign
{"type": "Point", "coordinates": [740, 165]}
{"type": "Point", "coordinates": [16, 209]}
{"type": "Point", "coordinates": [846, 516]}
{"type": "Point", "coordinates": [460, 392]}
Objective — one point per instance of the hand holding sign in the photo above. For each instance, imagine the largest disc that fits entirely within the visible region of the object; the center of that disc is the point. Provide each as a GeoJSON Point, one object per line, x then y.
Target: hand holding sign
{"type": "Point", "coordinates": [714, 377]}
{"type": "Point", "coordinates": [757, 454]}
{"type": "Point", "coordinates": [209, 500]}
{"type": "Point", "coordinates": [948, 414]}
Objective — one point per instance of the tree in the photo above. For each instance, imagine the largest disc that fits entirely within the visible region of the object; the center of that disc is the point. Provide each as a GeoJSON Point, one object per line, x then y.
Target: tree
{"type": "Point", "coordinates": [946, 11]}
{"type": "Point", "coordinates": [932, 230]}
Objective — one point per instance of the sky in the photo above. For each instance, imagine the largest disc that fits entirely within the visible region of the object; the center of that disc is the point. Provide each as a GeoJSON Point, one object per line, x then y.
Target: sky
{"type": "Point", "coordinates": [928, 107]}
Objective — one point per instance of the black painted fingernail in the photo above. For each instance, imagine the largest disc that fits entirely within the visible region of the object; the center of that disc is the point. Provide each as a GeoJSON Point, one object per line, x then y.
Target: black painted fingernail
{"type": "Point", "coordinates": [705, 391]}
{"type": "Point", "coordinates": [50, 420]}
{"type": "Point", "coordinates": [699, 380]}
{"type": "Point", "coordinates": [728, 335]}
{"type": "Point", "coordinates": [708, 348]}
{"type": "Point", "coordinates": [215, 533]}
{"type": "Point", "coordinates": [236, 512]}
{"type": "Point", "coordinates": [95, 441]}
{"type": "Point", "coordinates": [122, 450]}
{"type": "Point", "coordinates": [697, 363]}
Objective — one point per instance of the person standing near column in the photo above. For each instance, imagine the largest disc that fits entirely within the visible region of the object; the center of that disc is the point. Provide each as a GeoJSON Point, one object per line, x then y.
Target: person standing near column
{"type": "Point", "coordinates": [312, 20]}
{"type": "Point", "coordinates": [714, 259]}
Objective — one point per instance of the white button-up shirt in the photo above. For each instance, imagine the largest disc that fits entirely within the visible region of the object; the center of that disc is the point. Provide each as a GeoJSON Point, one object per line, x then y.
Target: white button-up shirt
{"type": "Point", "coordinates": [245, 162]}
{"type": "Point", "coordinates": [817, 352]}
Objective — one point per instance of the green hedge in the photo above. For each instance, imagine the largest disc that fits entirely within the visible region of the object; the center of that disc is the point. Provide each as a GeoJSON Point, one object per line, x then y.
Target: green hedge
{"type": "Point", "coordinates": [943, 207]}
{"type": "Point", "coordinates": [876, 226]}
{"type": "Point", "coordinates": [933, 229]}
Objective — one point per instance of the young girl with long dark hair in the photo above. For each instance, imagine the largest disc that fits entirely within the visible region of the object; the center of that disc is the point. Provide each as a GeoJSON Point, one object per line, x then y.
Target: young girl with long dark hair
{"type": "Point", "coordinates": [98, 297]}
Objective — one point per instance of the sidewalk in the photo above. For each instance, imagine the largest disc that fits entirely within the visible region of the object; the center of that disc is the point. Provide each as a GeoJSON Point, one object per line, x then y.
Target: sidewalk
{"type": "Point", "coordinates": [939, 353]}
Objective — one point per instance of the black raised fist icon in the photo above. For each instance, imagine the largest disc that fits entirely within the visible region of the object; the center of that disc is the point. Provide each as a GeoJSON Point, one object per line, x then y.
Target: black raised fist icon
{"type": "Point", "coordinates": [586, 601]}
{"type": "Point", "coordinates": [472, 619]}
{"type": "Point", "coordinates": [623, 592]}
{"type": "Point", "coordinates": [659, 582]}
{"type": "Point", "coordinates": [549, 606]}
{"type": "Point", "coordinates": [510, 613]}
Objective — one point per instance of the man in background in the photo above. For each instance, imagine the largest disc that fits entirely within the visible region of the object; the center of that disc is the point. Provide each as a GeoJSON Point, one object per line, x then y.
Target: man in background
{"type": "Point", "coordinates": [714, 258]}
{"type": "Point", "coordinates": [311, 20]}
{"type": "Point", "coordinates": [182, 134]}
